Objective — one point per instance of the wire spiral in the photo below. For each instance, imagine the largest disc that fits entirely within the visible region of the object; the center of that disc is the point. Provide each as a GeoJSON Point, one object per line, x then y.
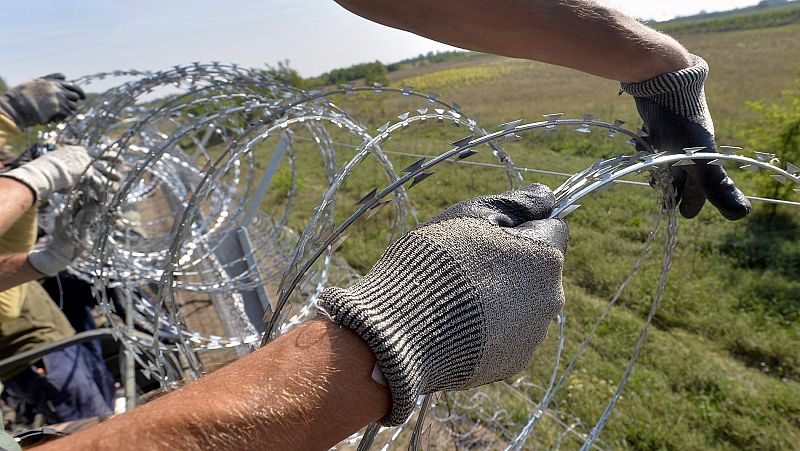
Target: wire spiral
{"type": "Point", "coordinates": [212, 159]}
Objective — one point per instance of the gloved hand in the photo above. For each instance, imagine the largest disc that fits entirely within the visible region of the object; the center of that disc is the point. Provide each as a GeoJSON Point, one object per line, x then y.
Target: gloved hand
{"type": "Point", "coordinates": [461, 301]}
{"type": "Point", "coordinates": [62, 169]}
{"type": "Point", "coordinates": [673, 107]}
{"type": "Point", "coordinates": [41, 101]}
{"type": "Point", "coordinates": [60, 249]}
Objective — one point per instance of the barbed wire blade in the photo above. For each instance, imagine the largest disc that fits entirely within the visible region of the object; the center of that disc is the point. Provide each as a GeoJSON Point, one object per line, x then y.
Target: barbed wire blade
{"type": "Point", "coordinates": [463, 141]}
{"type": "Point", "coordinates": [728, 150]}
{"type": "Point", "coordinates": [693, 150]}
{"type": "Point", "coordinates": [764, 157]}
{"type": "Point", "coordinates": [377, 208]}
{"type": "Point", "coordinates": [792, 169]}
{"type": "Point", "coordinates": [750, 167]}
{"type": "Point", "coordinates": [464, 154]}
{"type": "Point", "coordinates": [413, 167]}
{"type": "Point", "coordinates": [420, 178]}
{"type": "Point", "coordinates": [370, 196]}
{"type": "Point", "coordinates": [510, 125]}
{"type": "Point", "coordinates": [684, 162]}
{"type": "Point", "coordinates": [568, 211]}
{"type": "Point", "coordinates": [339, 241]}
{"type": "Point", "coordinates": [780, 178]}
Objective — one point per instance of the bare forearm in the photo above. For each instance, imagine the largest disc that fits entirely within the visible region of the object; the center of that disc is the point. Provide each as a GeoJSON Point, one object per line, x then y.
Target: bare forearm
{"type": "Point", "coordinates": [581, 34]}
{"type": "Point", "coordinates": [15, 270]}
{"type": "Point", "coordinates": [307, 390]}
{"type": "Point", "coordinates": [17, 199]}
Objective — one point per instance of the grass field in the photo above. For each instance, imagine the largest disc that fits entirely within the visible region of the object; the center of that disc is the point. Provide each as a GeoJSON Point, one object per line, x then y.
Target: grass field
{"type": "Point", "coordinates": [721, 369]}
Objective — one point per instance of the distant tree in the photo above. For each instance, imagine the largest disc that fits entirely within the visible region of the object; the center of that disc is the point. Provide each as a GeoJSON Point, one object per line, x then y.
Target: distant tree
{"type": "Point", "coordinates": [370, 72]}
{"type": "Point", "coordinates": [284, 72]}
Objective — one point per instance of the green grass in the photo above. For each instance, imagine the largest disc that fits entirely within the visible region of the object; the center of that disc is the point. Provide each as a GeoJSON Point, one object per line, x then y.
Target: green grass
{"type": "Point", "coordinates": [721, 367]}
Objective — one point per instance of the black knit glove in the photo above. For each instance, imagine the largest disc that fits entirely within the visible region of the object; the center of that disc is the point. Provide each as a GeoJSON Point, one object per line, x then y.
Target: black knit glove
{"type": "Point", "coordinates": [41, 101]}
{"type": "Point", "coordinates": [673, 107]}
{"type": "Point", "coordinates": [461, 301]}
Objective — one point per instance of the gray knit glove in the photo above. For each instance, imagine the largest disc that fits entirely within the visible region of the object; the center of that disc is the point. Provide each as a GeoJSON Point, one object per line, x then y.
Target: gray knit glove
{"type": "Point", "coordinates": [673, 107]}
{"type": "Point", "coordinates": [40, 101]}
{"type": "Point", "coordinates": [62, 169]}
{"type": "Point", "coordinates": [461, 301]}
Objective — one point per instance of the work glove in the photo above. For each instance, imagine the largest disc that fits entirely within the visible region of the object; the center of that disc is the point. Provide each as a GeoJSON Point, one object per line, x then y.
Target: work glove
{"type": "Point", "coordinates": [57, 250]}
{"type": "Point", "coordinates": [673, 107]}
{"type": "Point", "coordinates": [41, 101]}
{"type": "Point", "coordinates": [461, 301]}
{"type": "Point", "coordinates": [63, 168]}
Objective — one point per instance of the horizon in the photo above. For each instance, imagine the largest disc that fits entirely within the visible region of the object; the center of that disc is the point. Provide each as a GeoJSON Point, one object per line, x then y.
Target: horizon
{"type": "Point", "coordinates": [315, 37]}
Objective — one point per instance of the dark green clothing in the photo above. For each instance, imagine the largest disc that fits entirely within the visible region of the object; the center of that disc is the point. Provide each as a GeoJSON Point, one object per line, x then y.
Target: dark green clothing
{"type": "Point", "coordinates": [40, 322]}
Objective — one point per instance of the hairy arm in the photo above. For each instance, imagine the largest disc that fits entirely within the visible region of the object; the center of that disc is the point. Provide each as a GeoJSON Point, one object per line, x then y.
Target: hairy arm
{"type": "Point", "coordinates": [580, 34]}
{"type": "Point", "coordinates": [309, 389]}
{"type": "Point", "coordinates": [14, 267]}
{"type": "Point", "coordinates": [17, 199]}
{"type": "Point", "coordinates": [15, 270]}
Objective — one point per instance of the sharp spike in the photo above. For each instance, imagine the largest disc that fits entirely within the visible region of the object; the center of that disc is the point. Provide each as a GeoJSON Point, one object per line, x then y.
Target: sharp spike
{"type": "Point", "coordinates": [792, 169]}
{"type": "Point", "coordinates": [780, 178]}
{"type": "Point", "coordinates": [641, 133]}
{"type": "Point", "coordinates": [413, 167]}
{"type": "Point", "coordinates": [384, 127]}
{"type": "Point", "coordinates": [684, 162]}
{"type": "Point", "coordinates": [377, 208]}
{"type": "Point", "coordinates": [749, 167]}
{"type": "Point", "coordinates": [466, 154]}
{"type": "Point", "coordinates": [463, 141]}
{"type": "Point", "coordinates": [339, 241]}
{"type": "Point", "coordinates": [583, 129]}
{"type": "Point", "coordinates": [403, 116]}
{"type": "Point", "coordinates": [418, 179]}
{"type": "Point", "coordinates": [456, 107]}
{"type": "Point", "coordinates": [589, 117]}
{"type": "Point", "coordinates": [552, 117]}
{"type": "Point", "coordinates": [568, 211]}
{"type": "Point", "coordinates": [511, 124]}
{"type": "Point", "coordinates": [693, 150]}
{"type": "Point", "coordinates": [764, 157]}
{"type": "Point", "coordinates": [368, 198]}
{"type": "Point", "coordinates": [618, 122]}
{"type": "Point", "coordinates": [716, 162]}
{"type": "Point", "coordinates": [728, 150]}
{"type": "Point", "coordinates": [422, 111]}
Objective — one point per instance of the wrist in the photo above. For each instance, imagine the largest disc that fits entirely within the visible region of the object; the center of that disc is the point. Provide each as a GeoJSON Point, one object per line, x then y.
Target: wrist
{"type": "Point", "coordinates": [418, 313]}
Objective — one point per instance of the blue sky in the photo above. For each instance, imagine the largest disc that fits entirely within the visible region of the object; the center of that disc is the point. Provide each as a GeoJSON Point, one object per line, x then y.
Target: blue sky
{"type": "Point", "coordinates": [86, 36]}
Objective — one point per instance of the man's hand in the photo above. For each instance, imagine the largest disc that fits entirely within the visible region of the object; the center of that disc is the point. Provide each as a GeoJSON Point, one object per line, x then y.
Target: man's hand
{"type": "Point", "coordinates": [60, 249]}
{"type": "Point", "coordinates": [463, 300]}
{"type": "Point", "coordinates": [40, 101]}
{"type": "Point", "coordinates": [62, 169]}
{"type": "Point", "coordinates": [673, 107]}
